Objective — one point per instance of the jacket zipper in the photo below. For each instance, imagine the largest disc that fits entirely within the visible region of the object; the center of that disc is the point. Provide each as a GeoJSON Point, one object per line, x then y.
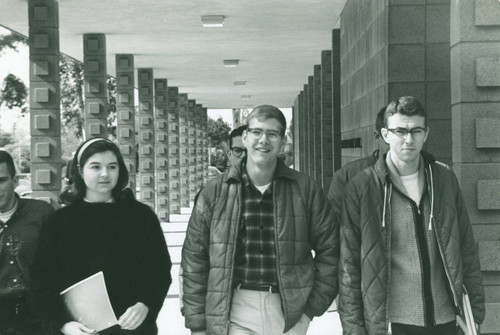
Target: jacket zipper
{"type": "Point", "coordinates": [426, 271]}
{"type": "Point", "coordinates": [388, 256]}
{"type": "Point", "coordinates": [276, 248]}
{"type": "Point", "coordinates": [235, 243]}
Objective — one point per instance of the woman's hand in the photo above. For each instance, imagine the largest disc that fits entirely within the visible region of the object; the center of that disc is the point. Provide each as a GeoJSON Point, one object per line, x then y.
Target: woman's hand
{"type": "Point", "coordinates": [76, 328]}
{"type": "Point", "coordinates": [134, 316]}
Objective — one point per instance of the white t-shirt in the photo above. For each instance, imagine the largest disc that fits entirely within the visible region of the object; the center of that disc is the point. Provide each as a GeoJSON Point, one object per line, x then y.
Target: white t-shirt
{"type": "Point", "coordinates": [263, 188]}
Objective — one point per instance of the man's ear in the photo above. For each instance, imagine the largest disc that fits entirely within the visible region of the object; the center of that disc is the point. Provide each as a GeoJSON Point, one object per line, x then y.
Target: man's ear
{"type": "Point", "coordinates": [15, 181]}
{"type": "Point", "coordinates": [384, 134]}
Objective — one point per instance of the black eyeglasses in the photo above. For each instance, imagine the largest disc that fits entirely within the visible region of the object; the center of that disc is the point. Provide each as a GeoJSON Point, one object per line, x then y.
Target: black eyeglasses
{"type": "Point", "coordinates": [272, 135]}
{"type": "Point", "coordinates": [237, 151]}
{"type": "Point", "coordinates": [417, 132]}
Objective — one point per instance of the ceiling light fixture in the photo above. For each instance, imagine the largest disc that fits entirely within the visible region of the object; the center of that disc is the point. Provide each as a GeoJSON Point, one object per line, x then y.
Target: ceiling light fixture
{"type": "Point", "coordinates": [231, 62]}
{"type": "Point", "coordinates": [212, 21]}
{"type": "Point", "coordinates": [239, 83]}
{"type": "Point", "coordinates": [246, 97]}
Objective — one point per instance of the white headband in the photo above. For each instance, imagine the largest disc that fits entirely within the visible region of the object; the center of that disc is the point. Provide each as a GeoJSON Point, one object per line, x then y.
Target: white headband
{"type": "Point", "coordinates": [86, 145]}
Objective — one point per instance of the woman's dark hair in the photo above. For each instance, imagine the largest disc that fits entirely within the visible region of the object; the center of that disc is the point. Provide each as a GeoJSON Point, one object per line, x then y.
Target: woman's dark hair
{"type": "Point", "coordinates": [77, 189]}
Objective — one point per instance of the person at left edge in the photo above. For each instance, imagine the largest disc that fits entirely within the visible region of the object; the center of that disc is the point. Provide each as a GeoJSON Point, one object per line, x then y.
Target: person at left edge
{"type": "Point", "coordinates": [20, 223]}
{"type": "Point", "coordinates": [103, 229]}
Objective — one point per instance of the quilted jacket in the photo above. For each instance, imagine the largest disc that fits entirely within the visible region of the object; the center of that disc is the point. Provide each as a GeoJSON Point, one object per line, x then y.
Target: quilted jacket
{"type": "Point", "coordinates": [303, 222]}
{"type": "Point", "coordinates": [364, 268]}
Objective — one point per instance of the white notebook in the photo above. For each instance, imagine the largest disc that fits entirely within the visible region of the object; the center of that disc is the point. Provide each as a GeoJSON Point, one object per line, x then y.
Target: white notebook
{"type": "Point", "coordinates": [88, 303]}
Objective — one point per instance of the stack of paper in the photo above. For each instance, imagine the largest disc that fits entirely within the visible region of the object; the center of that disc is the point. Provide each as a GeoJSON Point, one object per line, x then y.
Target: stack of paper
{"type": "Point", "coordinates": [88, 303]}
{"type": "Point", "coordinates": [466, 322]}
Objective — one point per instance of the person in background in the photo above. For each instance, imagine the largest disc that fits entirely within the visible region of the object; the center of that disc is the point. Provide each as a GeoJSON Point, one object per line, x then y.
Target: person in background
{"type": "Point", "coordinates": [247, 260]}
{"type": "Point", "coordinates": [103, 228]}
{"type": "Point", "coordinates": [407, 246]}
{"type": "Point", "coordinates": [342, 176]}
{"type": "Point", "coordinates": [20, 224]}
{"type": "Point", "coordinates": [237, 150]}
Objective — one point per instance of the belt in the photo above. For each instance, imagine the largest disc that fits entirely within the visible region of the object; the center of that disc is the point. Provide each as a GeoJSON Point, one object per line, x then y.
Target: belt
{"type": "Point", "coordinates": [263, 288]}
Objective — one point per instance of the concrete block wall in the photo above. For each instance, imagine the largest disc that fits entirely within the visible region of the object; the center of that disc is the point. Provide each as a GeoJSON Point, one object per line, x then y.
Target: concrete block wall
{"type": "Point", "coordinates": [390, 49]}
{"type": "Point", "coordinates": [475, 101]}
{"type": "Point", "coordinates": [363, 75]}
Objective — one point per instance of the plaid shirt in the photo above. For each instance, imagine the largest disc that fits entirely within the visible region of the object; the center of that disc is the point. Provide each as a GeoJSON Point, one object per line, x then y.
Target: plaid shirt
{"type": "Point", "coordinates": [255, 250]}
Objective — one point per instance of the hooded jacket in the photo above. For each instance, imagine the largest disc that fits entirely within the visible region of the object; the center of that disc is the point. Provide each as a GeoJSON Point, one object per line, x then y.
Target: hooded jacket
{"type": "Point", "coordinates": [365, 233]}
{"type": "Point", "coordinates": [302, 222]}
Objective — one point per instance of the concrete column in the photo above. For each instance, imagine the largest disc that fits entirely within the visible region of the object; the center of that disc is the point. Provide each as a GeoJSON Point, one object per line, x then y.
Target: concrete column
{"type": "Point", "coordinates": [125, 113]}
{"type": "Point", "coordinates": [199, 146]}
{"type": "Point", "coordinates": [184, 149]}
{"type": "Point", "coordinates": [146, 136]}
{"type": "Point", "coordinates": [206, 145]}
{"type": "Point", "coordinates": [316, 126]}
{"type": "Point", "coordinates": [310, 127]}
{"type": "Point", "coordinates": [326, 120]}
{"type": "Point", "coordinates": [296, 133]}
{"type": "Point", "coordinates": [45, 114]}
{"type": "Point", "coordinates": [173, 150]}
{"type": "Point", "coordinates": [96, 87]}
{"type": "Point", "coordinates": [305, 131]}
{"type": "Point", "coordinates": [192, 169]}
{"type": "Point", "coordinates": [161, 149]}
{"type": "Point", "coordinates": [475, 101]}
{"type": "Point", "coordinates": [336, 105]}
{"type": "Point", "coordinates": [390, 49]}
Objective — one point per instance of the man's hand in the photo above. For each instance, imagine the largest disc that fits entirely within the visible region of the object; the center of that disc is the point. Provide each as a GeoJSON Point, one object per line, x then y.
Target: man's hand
{"type": "Point", "coordinates": [134, 316]}
{"type": "Point", "coordinates": [76, 328]}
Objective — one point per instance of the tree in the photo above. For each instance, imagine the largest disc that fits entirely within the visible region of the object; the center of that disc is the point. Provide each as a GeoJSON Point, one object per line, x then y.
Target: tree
{"type": "Point", "coordinates": [12, 41]}
{"type": "Point", "coordinates": [217, 131]}
{"type": "Point", "coordinates": [14, 93]}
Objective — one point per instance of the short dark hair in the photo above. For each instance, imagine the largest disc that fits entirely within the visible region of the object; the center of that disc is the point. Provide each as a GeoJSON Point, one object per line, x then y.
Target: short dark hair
{"type": "Point", "coordinates": [264, 112]}
{"type": "Point", "coordinates": [6, 158]}
{"type": "Point", "coordinates": [77, 190]}
{"type": "Point", "coordinates": [406, 105]}
{"type": "Point", "coordinates": [379, 122]}
{"type": "Point", "coordinates": [235, 133]}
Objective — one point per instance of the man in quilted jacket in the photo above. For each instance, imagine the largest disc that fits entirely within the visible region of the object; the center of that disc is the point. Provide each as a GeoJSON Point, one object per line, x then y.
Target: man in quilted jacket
{"type": "Point", "coordinates": [407, 247]}
{"type": "Point", "coordinates": [247, 262]}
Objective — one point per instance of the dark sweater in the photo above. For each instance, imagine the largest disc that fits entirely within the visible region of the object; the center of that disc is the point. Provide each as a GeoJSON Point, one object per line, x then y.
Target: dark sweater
{"type": "Point", "coordinates": [124, 240]}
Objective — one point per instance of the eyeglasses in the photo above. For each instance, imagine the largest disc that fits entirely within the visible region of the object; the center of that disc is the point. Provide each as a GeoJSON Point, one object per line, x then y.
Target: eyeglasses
{"type": "Point", "coordinates": [237, 151]}
{"type": "Point", "coordinates": [417, 132]}
{"type": "Point", "coordinates": [272, 135]}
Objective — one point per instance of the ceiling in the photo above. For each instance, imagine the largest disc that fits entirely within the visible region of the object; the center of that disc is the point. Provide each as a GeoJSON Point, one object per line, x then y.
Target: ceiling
{"type": "Point", "coordinates": [277, 42]}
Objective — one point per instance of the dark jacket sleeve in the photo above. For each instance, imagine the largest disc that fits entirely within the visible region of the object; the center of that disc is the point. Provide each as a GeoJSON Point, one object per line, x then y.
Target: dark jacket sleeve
{"type": "Point", "coordinates": [45, 272]}
{"type": "Point", "coordinates": [325, 243]}
{"type": "Point", "coordinates": [336, 192]}
{"type": "Point", "coordinates": [195, 264]}
{"type": "Point", "coordinates": [155, 269]}
{"type": "Point", "coordinates": [350, 296]}
{"type": "Point", "coordinates": [470, 257]}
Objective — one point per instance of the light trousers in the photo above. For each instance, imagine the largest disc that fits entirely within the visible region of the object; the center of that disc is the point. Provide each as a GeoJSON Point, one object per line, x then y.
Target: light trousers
{"type": "Point", "coordinates": [259, 313]}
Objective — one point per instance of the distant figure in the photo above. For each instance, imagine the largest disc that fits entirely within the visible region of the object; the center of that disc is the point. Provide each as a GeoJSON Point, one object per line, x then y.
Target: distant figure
{"type": "Point", "coordinates": [247, 261]}
{"type": "Point", "coordinates": [342, 176]}
{"type": "Point", "coordinates": [407, 246]}
{"type": "Point", "coordinates": [20, 224]}
{"type": "Point", "coordinates": [103, 228]}
{"type": "Point", "coordinates": [237, 150]}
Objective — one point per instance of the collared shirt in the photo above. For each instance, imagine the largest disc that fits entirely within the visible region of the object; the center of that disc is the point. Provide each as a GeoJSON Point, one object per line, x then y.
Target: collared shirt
{"type": "Point", "coordinates": [256, 252]}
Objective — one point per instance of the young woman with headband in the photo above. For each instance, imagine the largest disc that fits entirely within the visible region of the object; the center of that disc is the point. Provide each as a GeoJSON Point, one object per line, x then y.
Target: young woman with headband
{"type": "Point", "coordinates": [103, 228]}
